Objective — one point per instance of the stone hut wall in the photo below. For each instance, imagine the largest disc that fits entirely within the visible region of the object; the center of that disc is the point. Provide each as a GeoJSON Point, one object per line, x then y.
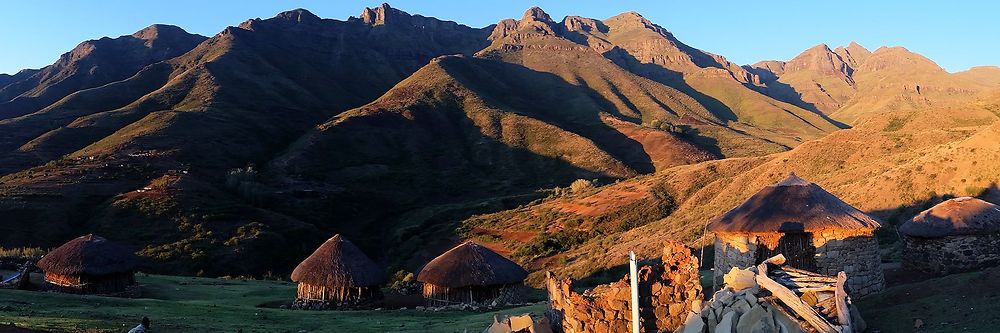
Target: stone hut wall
{"type": "Point", "coordinates": [667, 294]}
{"type": "Point", "coordinates": [951, 254]}
{"type": "Point", "coordinates": [855, 252]}
{"type": "Point", "coordinates": [733, 250]}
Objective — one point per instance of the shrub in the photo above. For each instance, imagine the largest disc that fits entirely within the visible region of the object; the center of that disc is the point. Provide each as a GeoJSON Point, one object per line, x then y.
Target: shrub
{"type": "Point", "coordinates": [243, 181]}
{"type": "Point", "coordinates": [580, 185]}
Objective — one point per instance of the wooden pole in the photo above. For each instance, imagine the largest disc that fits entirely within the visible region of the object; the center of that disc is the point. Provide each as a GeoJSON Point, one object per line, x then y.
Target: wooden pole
{"type": "Point", "coordinates": [634, 284]}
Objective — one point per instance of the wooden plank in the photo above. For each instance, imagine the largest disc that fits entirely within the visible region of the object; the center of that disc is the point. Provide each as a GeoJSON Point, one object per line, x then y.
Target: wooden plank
{"type": "Point", "coordinates": [822, 279]}
{"type": "Point", "coordinates": [799, 271]}
{"type": "Point", "coordinates": [775, 260]}
{"type": "Point", "coordinates": [793, 302]}
{"type": "Point", "coordinates": [812, 289]}
{"type": "Point", "coordinates": [843, 314]}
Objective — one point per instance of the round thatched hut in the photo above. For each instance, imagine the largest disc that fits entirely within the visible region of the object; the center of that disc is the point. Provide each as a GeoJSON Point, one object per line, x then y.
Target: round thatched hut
{"type": "Point", "coordinates": [958, 235]}
{"type": "Point", "coordinates": [812, 228]}
{"type": "Point", "coordinates": [90, 265]}
{"type": "Point", "coordinates": [472, 274]}
{"type": "Point", "coordinates": [338, 275]}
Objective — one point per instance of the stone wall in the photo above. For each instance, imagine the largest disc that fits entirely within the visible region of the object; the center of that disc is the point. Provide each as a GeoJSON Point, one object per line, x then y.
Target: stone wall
{"type": "Point", "coordinates": [952, 254]}
{"type": "Point", "coordinates": [733, 250]}
{"type": "Point", "coordinates": [667, 294]}
{"type": "Point", "coordinates": [855, 252]}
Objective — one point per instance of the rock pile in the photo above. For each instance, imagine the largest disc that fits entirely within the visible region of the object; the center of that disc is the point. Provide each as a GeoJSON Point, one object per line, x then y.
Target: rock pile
{"type": "Point", "coordinates": [742, 311]}
{"type": "Point", "coordinates": [782, 299]}
{"type": "Point", "coordinates": [667, 294]}
{"type": "Point", "coordinates": [519, 324]}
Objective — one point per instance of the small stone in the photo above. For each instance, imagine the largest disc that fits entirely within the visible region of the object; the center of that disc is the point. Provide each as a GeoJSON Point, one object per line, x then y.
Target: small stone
{"type": "Point", "coordinates": [750, 319]}
{"type": "Point", "coordinates": [741, 306]}
{"type": "Point", "coordinates": [693, 324]}
{"type": "Point", "coordinates": [725, 296]}
{"type": "Point", "coordinates": [713, 321]}
{"type": "Point", "coordinates": [727, 324]}
{"type": "Point", "coordinates": [739, 279]}
{"type": "Point", "coordinates": [750, 298]}
{"type": "Point", "coordinates": [918, 323]}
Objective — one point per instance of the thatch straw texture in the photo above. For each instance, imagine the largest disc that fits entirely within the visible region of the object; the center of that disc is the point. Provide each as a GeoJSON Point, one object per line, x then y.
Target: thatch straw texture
{"type": "Point", "coordinates": [88, 255]}
{"type": "Point", "coordinates": [959, 216]}
{"type": "Point", "coordinates": [339, 263]}
{"type": "Point", "coordinates": [471, 264]}
{"type": "Point", "coordinates": [792, 205]}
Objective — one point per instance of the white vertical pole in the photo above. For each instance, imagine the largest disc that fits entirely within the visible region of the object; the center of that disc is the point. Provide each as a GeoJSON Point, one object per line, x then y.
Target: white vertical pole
{"type": "Point", "coordinates": [634, 282]}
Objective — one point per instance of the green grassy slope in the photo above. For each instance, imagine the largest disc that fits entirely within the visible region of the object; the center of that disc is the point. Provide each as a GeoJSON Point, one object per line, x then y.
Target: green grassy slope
{"type": "Point", "coordinates": [188, 304]}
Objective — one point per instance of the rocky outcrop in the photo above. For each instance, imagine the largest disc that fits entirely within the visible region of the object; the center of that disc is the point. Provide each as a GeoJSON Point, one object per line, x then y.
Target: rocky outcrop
{"type": "Point", "coordinates": [667, 294]}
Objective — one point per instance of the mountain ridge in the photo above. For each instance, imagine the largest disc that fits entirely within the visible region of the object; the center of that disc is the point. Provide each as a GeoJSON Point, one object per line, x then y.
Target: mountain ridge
{"type": "Point", "coordinates": [392, 127]}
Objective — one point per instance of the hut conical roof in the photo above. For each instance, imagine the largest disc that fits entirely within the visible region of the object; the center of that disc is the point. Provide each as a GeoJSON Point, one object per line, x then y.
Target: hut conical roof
{"type": "Point", "coordinates": [339, 263]}
{"type": "Point", "coordinates": [959, 216]}
{"type": "Point", "coordinates": [88, 255]}
{"type": "Point", "coordinates": [471, 264]}
{"type": "Point", "coordinates": [793, 204]}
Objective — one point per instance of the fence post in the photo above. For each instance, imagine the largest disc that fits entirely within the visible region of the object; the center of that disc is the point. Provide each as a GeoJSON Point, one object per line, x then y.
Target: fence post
{"type": "Point", "coordinates": [634, 284]}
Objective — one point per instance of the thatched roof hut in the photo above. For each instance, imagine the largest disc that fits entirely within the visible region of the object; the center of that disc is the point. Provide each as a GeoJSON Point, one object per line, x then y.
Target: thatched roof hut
{"type": "Point", "coordinates": [957, 235]}
{"type": "Point", "coordinates": [471, 273]}
{"type": "Point", "coordinates": [955, 217]}
{"type": "Point", "coordinates": [793, 204]}
{"type": "Point", "coordinates": [811, 227]}
{"type": "Point", "coordinates": [90, 264]}
{"type": "Point", "coordinates": [338, 275]}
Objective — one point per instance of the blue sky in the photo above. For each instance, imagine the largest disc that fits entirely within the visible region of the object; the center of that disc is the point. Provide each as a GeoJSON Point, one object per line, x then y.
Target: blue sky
{"type": "Point", "coordinates": [957, 35]}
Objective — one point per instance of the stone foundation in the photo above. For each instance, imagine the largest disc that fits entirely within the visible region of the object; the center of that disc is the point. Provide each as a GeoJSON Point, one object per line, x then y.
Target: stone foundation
{"type": "Point", "coordinates": [667, 294]}
{"type": "Point", "coordinates": [855, 252]}
{"type": "Point", "coordinates": [951, 254]}
{"type": "Point", "coordinates": [357, 304]}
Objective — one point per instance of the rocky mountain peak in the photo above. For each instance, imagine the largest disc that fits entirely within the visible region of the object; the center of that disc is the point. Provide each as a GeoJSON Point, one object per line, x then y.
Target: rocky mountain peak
{"type": "Point", "coordinates": [156, 30]}
{"type": "Point", "coordinates": [536, 14]}
{"type": "Point", "coordinates": [819, 59]}
{"type": "Point", "coordinates": [854, 54]}
{"type": "Point", "coordinates": [298, 15]}
{"type": "Point", "coordinates": [379, 15]}
{"type": "Point", "coordinates": [856, 49]}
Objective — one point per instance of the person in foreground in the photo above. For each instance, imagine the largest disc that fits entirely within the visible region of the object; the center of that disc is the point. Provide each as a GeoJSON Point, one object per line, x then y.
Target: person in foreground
{"type": "Point", "coordinates": [142, 328]}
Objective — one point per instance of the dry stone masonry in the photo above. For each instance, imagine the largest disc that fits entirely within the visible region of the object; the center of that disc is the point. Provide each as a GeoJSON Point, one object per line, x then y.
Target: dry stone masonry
{"type": "Point", "coordinates": [957, 235]}
{"type": "Point", "coordinates": [952, 254]}
{"type": "Point", "coordinates": [667, 294]}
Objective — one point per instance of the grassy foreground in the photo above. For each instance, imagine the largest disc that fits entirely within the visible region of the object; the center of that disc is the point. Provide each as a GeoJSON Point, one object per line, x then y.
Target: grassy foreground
{"type": "Point", "coordinates": [190, 304]}
{"type": "Point", "coordinates": [968, 302]}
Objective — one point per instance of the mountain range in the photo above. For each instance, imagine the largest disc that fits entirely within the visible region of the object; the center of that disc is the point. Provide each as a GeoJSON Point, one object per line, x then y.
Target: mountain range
{"type": "Point", "coordinates": [237, 154]}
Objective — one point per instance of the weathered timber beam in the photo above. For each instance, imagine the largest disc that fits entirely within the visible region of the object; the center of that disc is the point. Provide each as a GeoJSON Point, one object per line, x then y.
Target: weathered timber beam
{"type": "Point", "coordinates": [843, 314]}
{"type": "Point", "coordinates": [796, 304]}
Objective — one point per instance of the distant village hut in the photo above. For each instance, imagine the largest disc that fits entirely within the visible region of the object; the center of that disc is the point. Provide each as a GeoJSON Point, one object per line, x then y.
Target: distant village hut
{"type": "Point", "coordinates": [90, 265]}
{"type": "Point", "coordinates": [471, 274]}
{"type": "Point", "coordinates": [812, 228]}
{"type": "Point", "coordinates": [958, 235]}
{"type": "Point", "coordinates": [338, 275]}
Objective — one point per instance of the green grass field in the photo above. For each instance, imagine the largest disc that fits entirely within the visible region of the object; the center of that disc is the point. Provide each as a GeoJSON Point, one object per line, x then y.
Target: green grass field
{"type": "Point", "coordinates": [190, 304]}
{"type": "Point", "coordinates": [957, 303]}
